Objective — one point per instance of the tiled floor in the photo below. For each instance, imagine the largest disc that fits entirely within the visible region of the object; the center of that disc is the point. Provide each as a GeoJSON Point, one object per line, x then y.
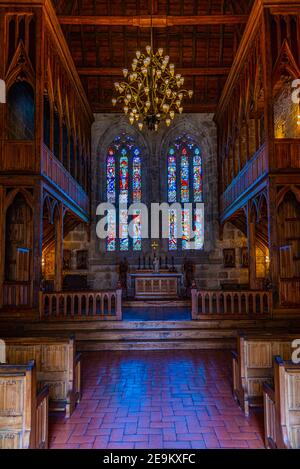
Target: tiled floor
{"type": "Point", "coordinates": [165, 399]}
{"type": "Point", "coordinates": [157, 313]}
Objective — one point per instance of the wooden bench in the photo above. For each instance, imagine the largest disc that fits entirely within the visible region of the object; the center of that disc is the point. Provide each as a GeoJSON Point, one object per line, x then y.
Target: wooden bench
{"type": "Point", "coordinates": [282, 407]}
{"type": "Point", "coordinates": [252, 365]}
{"type": "Point", "coordinates": [23, 411]}
{"type": "Point", "coordinates": [57, 364]}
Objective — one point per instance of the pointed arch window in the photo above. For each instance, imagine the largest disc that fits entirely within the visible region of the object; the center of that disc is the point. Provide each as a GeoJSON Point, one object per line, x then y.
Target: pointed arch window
{"type": "Point", "coordinates": [123, 187]}
{"type": "Point", "coordinates": [185, 185]}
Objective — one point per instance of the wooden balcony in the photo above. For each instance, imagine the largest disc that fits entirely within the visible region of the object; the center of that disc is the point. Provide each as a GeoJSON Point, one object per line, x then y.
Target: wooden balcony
{"type": "Point", "coordinates": [254, 170]}
{"type": "Point", "coordinates": [53, 170]}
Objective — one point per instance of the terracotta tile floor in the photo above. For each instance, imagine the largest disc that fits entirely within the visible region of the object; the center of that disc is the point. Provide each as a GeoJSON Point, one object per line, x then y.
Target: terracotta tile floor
{"type": "Point", "coordinates": [165, 399]}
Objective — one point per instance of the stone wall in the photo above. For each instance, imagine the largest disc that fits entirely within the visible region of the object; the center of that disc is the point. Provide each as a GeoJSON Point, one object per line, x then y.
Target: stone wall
{"type": "Point", "coordinates": [285, 114]}
{"type": "Point", "coordinates": [209, 269]}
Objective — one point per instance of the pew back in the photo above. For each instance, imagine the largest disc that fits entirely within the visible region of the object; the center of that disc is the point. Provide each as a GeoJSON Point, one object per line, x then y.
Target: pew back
{"type": "Point", "coordinates": [282, 406]}
{"type": "Point", "coordinates": [253, 365]}
{"type": "Point", "coordinates": [56, 363]}
{"type": "Point", "coordinates": [23, 413]}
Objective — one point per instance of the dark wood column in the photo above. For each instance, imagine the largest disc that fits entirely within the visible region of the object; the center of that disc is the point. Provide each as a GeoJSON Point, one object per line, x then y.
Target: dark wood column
{"type": "Point", "coordinates": [251, 234]}
{"type": "Point", "coordinates": [59, 247]}
{"type": "Point", "coordinates": [37, 242]}
{"type": "Point", "coordinates": [2, 242]}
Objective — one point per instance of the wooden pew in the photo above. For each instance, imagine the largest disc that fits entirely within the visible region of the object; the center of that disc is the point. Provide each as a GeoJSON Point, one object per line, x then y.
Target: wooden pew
{"type": "Point", "coordinates": [252, 365]}
{"type": "Point", "coordinates": [282, 406]}
{"type": "Point", "coordinates": [23, 411]}
{"type": "Point", "coordinates": [58, 367]}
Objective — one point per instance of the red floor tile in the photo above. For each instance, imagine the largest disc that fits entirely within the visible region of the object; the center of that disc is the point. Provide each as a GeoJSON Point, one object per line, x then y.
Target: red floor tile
{"type": "Point", "coordinates": [163, 400]}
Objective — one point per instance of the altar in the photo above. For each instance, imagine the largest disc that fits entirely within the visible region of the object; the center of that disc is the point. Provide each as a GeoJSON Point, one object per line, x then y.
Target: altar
{"type": "Point", "coordinates": [156, 285]}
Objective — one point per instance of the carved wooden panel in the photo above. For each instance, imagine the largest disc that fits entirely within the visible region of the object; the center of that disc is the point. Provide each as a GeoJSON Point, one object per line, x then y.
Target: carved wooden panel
{"type": "Point", "coordinates": [283, 349]}
{"type": "Point", "coordinates": [11, 440]}
{"type": "Point", "coordinates": [255, 385]}
{"type": "Point", "coordinates": [57, 389]}
{"type": "Point", "coordinates": [293, 388]}
{"type": "Point", "coordinates": [23, 354]}
{"type": "Point", "coordinates": [54, 358]}
{"type": "Point", "coordinates": [294, 435]}
{"type": "Point", "coordinates": [11, 396]}
{"type": "Point", "coordinates": [259, 355]}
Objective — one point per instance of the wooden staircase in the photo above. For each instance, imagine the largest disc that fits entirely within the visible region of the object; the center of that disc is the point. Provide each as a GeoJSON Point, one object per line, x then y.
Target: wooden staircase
{"type": "Point", "coordinates": [150, 335]}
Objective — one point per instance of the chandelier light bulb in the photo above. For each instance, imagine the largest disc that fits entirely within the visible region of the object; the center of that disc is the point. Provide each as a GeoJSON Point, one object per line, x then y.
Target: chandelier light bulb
{"type": "Point", "coordinates": [151, 92]}
{"type": "Point", "coordinates": [191, 92]}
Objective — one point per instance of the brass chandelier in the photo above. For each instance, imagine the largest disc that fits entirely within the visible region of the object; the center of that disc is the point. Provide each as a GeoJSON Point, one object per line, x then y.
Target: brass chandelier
{"type": "Point", "coordinates": [152, 92]}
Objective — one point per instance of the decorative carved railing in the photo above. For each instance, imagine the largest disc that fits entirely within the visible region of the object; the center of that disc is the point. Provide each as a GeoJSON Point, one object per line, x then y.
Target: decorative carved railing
{"type": "Point", "coordinates": [98, 305]}
{"type": "Point", "coordinates": [17, 294]}
{"type": "Point", "coordinates": [230, 303]}
{"type": "Point", "coordinates": [289, 292]}
{"type": "Point", "coordinates": [53, 169]}
{"type": "Point", "coordinates": [287, 153]}
{"type": "Point", "coordinates": [254, 169]}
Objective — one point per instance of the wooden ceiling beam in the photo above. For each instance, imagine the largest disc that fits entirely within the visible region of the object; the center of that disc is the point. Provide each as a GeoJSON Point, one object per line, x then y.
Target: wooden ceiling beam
{"type": "Point", "coordinates": [116, 72]}
{"type": "Point", "coordinates": [159, 21]}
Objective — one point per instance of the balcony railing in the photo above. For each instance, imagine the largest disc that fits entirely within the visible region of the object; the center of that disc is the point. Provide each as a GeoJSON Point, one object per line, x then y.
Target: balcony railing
{"type": "Point", "coordinates": [95, 305]}
{"type": "Point", "coordinates": [53, 169]}
{"type": "Point", "coordinates": [230, 303]}
{"type": "Point", "coordinates": [254, 169]}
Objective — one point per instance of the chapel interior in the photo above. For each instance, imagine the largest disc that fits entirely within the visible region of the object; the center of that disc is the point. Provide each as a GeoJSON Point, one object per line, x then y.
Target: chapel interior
{"type": "Point", "coordinates": [126, 341]}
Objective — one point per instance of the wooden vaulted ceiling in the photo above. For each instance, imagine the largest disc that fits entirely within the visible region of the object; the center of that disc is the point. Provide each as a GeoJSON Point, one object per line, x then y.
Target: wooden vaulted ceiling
{"type": "Point", "coordinates": [200, 36]}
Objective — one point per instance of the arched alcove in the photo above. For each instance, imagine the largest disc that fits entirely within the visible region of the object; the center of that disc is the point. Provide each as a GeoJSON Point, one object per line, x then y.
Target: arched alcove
{"type": "Point", "coordinates": [21, 111]}
{"type": "Point", "coordinates": [18, 240]}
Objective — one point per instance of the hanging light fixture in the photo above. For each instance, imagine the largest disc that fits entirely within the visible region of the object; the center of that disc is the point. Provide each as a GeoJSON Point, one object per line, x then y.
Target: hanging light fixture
{"type": "Point", "coordinates": [152, 91]}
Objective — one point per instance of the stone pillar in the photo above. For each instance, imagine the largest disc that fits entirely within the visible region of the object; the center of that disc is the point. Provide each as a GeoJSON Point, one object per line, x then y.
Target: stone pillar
{"type": "Point", "coordinates": [59, 248]}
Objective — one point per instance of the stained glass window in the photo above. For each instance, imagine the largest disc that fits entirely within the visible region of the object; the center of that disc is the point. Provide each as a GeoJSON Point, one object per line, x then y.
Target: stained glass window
{"type": "Point", "coordinates": [185, 159]}
{"type": "Point", "coordinates": [173, 230]}
{"type": "Point", "coordinates": [197, 176]}
{"type": "Point", "coordinates": [185, 193]}
{"type": "Point", "coordinates": [123, 164]}
{"type": "Point", "coordinates": [111, 177]}
{"type": "Point", "coordinates": [172, 186]}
